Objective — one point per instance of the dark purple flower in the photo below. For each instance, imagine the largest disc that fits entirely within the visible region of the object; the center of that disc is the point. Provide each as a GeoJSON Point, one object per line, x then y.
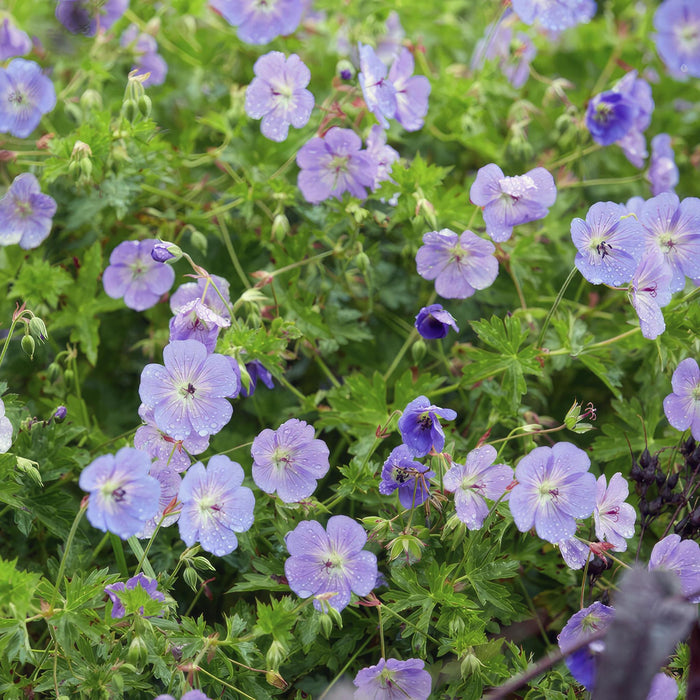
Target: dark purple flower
{"type": "Point", "coordinates": [554, 488]}
{"type": "Point", "coordinates": [260, 22]}
{"type": "Point", "coordinates": [673, 227]}
{"type": "Point", "coordinates": [331, 561]}
{"type": "Point", "coordinates": [149, 585]}
{"type": "Point", "coordinates": [650, 290]}
{"type": "Point", "coordinates": [123, 496]}
{"type": "Point", "coordinates": [682, 407]}
{"type": "Point", "coordinates": [85, 16]}
{"type": "Point", "coordinates": [13, 42]}
{"type": "Point", "coordinates": [377, 89]}
{"type": "Point", "coordinates": [614, 519]}
{"type": "Point", "coordinates": [412, 92]}
{"type": "Point", "coordinates": [289, 460]}
{"type": "Point", "coordinates": [677, 23]}
{"type": "Point", "coordinates": [411, 478]}
{"type": "Point", "coordinates": [163, 251]}
{"type": "Point", "coordinates": [333, 165]}
{"type": "Point", "coordinates": [663, 171]}
{"type": "Point", "coordinates": [136, 276]}
{"type": "Point", "coordinates": [26, 215]}
{"type": "Point", "coordinates": [681, 557]}
{"type": "Point", "coordinates": [278, 94]}
{"type": "Point", "coordinates": [459, 264]}
{"type": "Point", "coordinates": [215, 506]}
{"type": "Point", "coordinates": [60, 414]}
{"type": "Point", "coordinates": [475, 481]}
{"type": "Point", "coordinates": [148, 60]}
{"type": "Point", "coordinates": [555, 15]}
{"type": "Point", "coordinates": [256, 370]}
{"type": "Point", "coordinates": [25, 95]}
{"type": "Point", "coordinates": [510, 201]}
{"type": "Point", "coordinates": [382, 156]}
{"type": "Point", "coordinates": [170, 481]}
{"type": "Point", "coordinates": [609, 242]}
{"type": "Point", "coordinates": [434, 322]}
{"type": "Point", "coordinates": [420, 426]}
{"type": "Point", "coordinates": [582, 663]}
{"type": "Point", "coordinates": [393, 680]}
{"type": "Point", "coordinates": [610, 115]}
{"type": "Point", "coordinates": [187, 394]}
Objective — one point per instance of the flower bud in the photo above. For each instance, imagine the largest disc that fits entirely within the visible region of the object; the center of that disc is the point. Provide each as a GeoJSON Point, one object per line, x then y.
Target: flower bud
{"type": "Point", "coordinates": [418, 350]}
{"type": "Point", "coordinates": [68, 378]}
{"type": "Point", "coordinates": [274, 679]}
{"type": "Point", "coordinates": [145, 105]}
{"type": "Point", "coordinates": [199, 241]}
{"type": "Point", "coordinates": [280, 227]}
{"type": "Point", "coordinates": [138, 652]}
{"type": "Point", "coordinates": [30, 469]}
{"type": "Point", "coordinates": [276, 654]}
{"type": "Point", "coordinates": [164, 251]}
{"type": "Point", "coordinates": [60, 414]}
{"type": "Point", "coordinates": [38, 329]}
{"type": "Point", "coordinates": [53, 372]}
{"type": "Point", "coordinates": [344, 69]}
{"type": "Point", "coordinates": [28, 345]}
{"type": "Point", "coordinates": [129, 110]}
{"type": "Point", "coordinates": [91, 99]}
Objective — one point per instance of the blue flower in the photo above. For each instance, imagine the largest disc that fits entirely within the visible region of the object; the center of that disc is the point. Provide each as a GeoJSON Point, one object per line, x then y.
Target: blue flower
{"type": "Point", "coordinates": [610, 115]}
{"type": "Point", "coordinates": [84, 17]}
{"type": "Point", "coordinates": [411, 478]}
{"type": "Point", "coordinates": [434, 322]}
{"type": "Point", "coordinates": [555, 14]}
{"type": "Point", "coordinates": [13, 41]}
{"type": "Point", "coordinates": [420, 427]}
{"type": "Point", "coordinates": [25, 213]}
{"type": "Point", "coordinates": [260, 22]}
{"type": "Point", "coordinates": [25, 95]}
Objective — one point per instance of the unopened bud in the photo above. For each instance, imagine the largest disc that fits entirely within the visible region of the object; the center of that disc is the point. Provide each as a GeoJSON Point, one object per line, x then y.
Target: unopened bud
{"type": "Point", "coordinates": [274, 679]}
{"type": "Point", "coordinates": [91, 99]}
{"type": "Point", "coordinates": [276, 654]}
{"type": "Point", "coordinates": [363, 262]}
{"type": "Point", "coordinates": [53, 372]}
{"type": "Point", "coordinates": [28, 345]}
{"type": "Point", "coordinates": [164, 251]}
{"type": "Point", "coordinates": [38, 329]}
{"type": "Point", "coordinates": [81, 150]}
{"type": "Point", "coordinates": [60, 414]}
{"type": "Point", "coordinates": [138, 652]}
{"type": "Point", "coordinates": [418, 350]}
{"type": "Point", "coordinates": [68, 377]}
{"type": "Point", "coordinates": [30, 469]}
{"type": "Point", "coordinates": [129, 110]}
{"type": "Point", "coordinates": [280, 227]}
{"type": "Point", "coordinates": [145, 105]}
{"type": "Point", "coordinates": [345, 70]}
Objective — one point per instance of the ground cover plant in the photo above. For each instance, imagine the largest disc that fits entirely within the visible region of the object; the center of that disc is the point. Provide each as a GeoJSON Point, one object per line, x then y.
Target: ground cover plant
{"type": "Point", "coordinates": [349, 349]}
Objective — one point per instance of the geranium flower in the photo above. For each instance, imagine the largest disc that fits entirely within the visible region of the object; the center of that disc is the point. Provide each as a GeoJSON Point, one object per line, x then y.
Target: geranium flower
{"type": "Point", "coordinates": [650, 290]}
{"type": "Point", "coordinates": [459, 264]}
{"type": "Point", "coordinates": [278, 94]}
{"type": "Point", "coordinates": [330, 561]}
{"type": "Point", "coordinates": [479, 478]}
{"type": "Point", "coordinates": [420, 426]}
{"type": "Point", "coordinates": [289, 460]}
{"type": "Point", "coordinates": [25, 95]}
{"type": "Point", "coordinates": [433, 322]}
{"type": "Point", "coordinates": [5, 430]}
{"type": "Point", "coordinates": [609, 116]}
{"type": "Point", "coordinates": [683, 558]}
{"type": "Point", "coordinates": [614, 519]}
{"type": "Point", "coordinates": [382, 156]}
{"type": "Point", "coordinates": [123, 495]}
{"type": "Point", "coordinates": [215, 506]}
{"type": "Point", "coordinates": [256, 370]}
{"type": "Point", "coordinates": [554, 488]}
{"type": "Point", "coordinates": [377, 89]}
{"type": "Point", "coordinates": [411, 478]}
{"type": "Point", "coordinates": [13, 42]}
{"type": "Point", "coordinates": [555, 15]}
{"type": "Point", "coordinates": [392, 679]}
{"type": "Point", "coordinates": [510, 201]}
{"type": "Point", "coordinates": [150, 585]}
{"type": "Point", "coordinates": [26, 215]}
{"type": "Point", "coordinates": [85, 16]}
{"type": "Point", "coordinates": [412, 92]}
{"type": "Point", "coordinates": [682, 407]}
{"type": "Point", "coordinates": [677, 23]}
{"type": "Point", "coordinates": [260, 23]}
{"type": "Point", "coordinates": [187, 394]}
{"type": "Point", "coordinates": [170, 482]}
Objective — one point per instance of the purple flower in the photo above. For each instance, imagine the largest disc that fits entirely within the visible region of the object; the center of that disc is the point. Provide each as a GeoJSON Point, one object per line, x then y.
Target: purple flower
{"type": "Point", "coordinates": [634, 206]}
{"type": "Point", "coordinates": [13, 41]}
{"type": "Point", "coordinates": [681, 557]}
{"type": "Point", "coordinates": [215, 506]}
{"type": "Point", "coordinates": [382, 156]}
{"type": "Point", "coordinates": [393, 680]}
{"type": "Point", "coordinates": [673, 227]}
{"type": "Point", "coordinates": [411, 478]}
{"type": "Point", "coordinates": [257, 22]}
{"type": "Point", "coordinates": [509, 201]}
{"type": "Point", "coordinates": [434, 322]}
{"type": "Point", "coordinates": [677, 23]}
{"type": "Point", "coordinates": [330, 561]}
{"type": "Point", "coordinates": [514, 51]}
{"type": "Point", "coordinates": [663, 687]}
{"type": "Point", "coordinates": [256, 370]}
{"type": "Point", "coordinates": [574, 552]}
{"type": "Point", "coordinates": [84, 16]}
{"type": "Point", "coordinates": [149, 60]}
{"type": "Point", "coordinates": [212, 291]}
{"type": "Point", "coordinates": [610, 115]}
{"type": "Point", "coordinates": [420, 427]}
{"type": "Point", "coordinates": [459, 264]}
{"type": "Point", "coordinates": [609, 242]}
{"type": "Point", "coordinates": [554, 488]}
{"type": "Point", "coordinates": [170, 482]}
{"type": "Point", "coordinates": [614, 519]}
{"type": "Point", "coordinates": [475, 481]}
{"type": "Point", "coordinates": [197, 321]}
{"type": "Point", "coordinates": [187, 394]}
{"type": "Point", "coordinates": [123, 496]}
{"type": "Point", "coordinates": [149, 585]}
{"type": "Point", "coordinates": [378, 90]}
{"type": "Point", "coordinates": [649, 291]}
{"type": "Point", "coordinates": [278, 94]}
{"type": "Point", "coordinates": [289, 460]}
{"type": "Point", "coordinates": [663, 172]}
{"type": "Point", "coordinates": [412, 92]}
{"type": "Point", "coordinates": [333, 165]}
{"type": "Point", "coordinates": [582, 663]}
{"type": "Point", "coordinates": [25, 213]}
{"type": "Point", "coordinates": [555, 15]}
{"type": "Point", "coordinates": [25, 95]}
{"type": "Point", "coordinates": [136, 276]}
{"type": "Point", "coordinates": [682, 407]}
{"type": "Point", "coordinates": [638, 92]}
{"type": "Point", "coordinates": [390, 44]}
{"type": "Point", "coordinates": [5, 430]}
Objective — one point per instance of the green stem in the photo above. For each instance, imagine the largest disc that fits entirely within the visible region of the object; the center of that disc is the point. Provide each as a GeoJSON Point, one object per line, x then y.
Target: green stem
{"type": "Point", "coordinates": [118, 549]}
{"type": "Point", "coordinates": [226, 238]}
{"type": "Point", "coordinates": [223, 682]}
{"type": "Point", "coordinates": [593, 346]}
{"type": "Point", "coordinates": [381, 631]}
{"type": "Point", "coordinates": [573, 156]}
{"type": "Point", "coordinates": [399, 356]}
{"type": "Point", "coordinates": [64, 558]}
{"type": "Point", "coordinates": [138, 550]}
{"type": "Point", "coordinates": [7, 340]}
{"type": "Point", "coordinates": [78, 391]}
{"type": "Point", "coordinates": [340, 673]}
{"type": "Point", "coordinates": [601, 181]}
{"type": "Point", "coordinates": [554, 307]}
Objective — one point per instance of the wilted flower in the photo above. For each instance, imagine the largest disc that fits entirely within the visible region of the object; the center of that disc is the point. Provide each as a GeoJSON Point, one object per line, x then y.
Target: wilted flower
{"type": "Point", "coordinates": [554, 488]}
{"type": "Point", "coordinates": [434, 322]}
{"type": "Point", "coordinates": [411, 92]}
{"type": "Point", "coordinates": [150, 585]}
{"type": "Point", "coordinates": [682, 407]}
{"type": "Point", "coordinates": [278, 94]}
{"type": "Point", "coordinates": [676, 23]}
{"type": "Point", "coordinates": [215, 506]}
{"type": "Point", "coordinates": [13, 42]}
{"type": "Point", "coordinates": [136, 276]}
{"type": "Point", "coordinates": [411, 478]}
{"type": "Point", "coordinates": [420, 426]}
{"type": "Point", "coordinates": [26, 215]}
{"type": "Point", "coordinates": [25, 95]}
{"type": "Point", "coordinates": [289, 460]}
{"type": "Point", "coordinates": [260, 23]}
{"type": "Point", "coordinates": [123, 495]}
{"type": "Point", "coordinates": [393, 679]}
{"type": "Point", "coordinates": [614, 519]}
{"type": "Point", "coordinates": [459, 264]}
{"type": "Point", "coordinates": [330, 561]}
